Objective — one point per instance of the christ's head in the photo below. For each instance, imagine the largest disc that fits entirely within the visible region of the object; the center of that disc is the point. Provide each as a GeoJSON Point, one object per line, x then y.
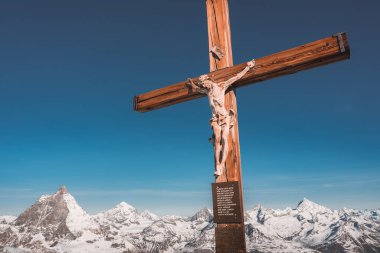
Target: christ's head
{"type": "Point", "coordinates": [203, 78]}
{"type": "Point", "coordinates": [202, 81]}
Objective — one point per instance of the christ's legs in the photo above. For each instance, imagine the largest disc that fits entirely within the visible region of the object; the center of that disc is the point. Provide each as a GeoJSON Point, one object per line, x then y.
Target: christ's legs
{"type": "Point", "coordinates": [224, 145]}
{"type": "Point", "coordinates": [217, 147]}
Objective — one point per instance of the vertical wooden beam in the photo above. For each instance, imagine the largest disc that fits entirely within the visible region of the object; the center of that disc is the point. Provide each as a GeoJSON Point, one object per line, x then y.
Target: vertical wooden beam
{"type": "Point", "coordinates": [230, 238]}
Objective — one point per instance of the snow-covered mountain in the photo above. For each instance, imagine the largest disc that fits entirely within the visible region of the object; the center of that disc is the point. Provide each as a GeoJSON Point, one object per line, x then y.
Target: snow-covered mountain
{"type": "Point", "coordinates": [57, 224]}
{"type": "Point", "coordinates": [315, 227]}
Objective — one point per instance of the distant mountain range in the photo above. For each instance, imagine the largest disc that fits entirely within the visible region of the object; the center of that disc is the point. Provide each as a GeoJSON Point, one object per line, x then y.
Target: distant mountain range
{"type": "Point", "coordinates": [57, 224]}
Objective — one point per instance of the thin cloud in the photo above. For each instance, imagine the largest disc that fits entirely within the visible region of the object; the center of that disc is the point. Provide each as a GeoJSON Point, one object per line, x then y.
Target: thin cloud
{"type": "Point", "coordinates": [272, 190]}
{"type": "Point", "coordinates": [16, 193]}
{"type": "Point", "coordinates": [145, 192]}
{"type": "Point", "coordinates": [15, 189]}
{"type": "Point", "coordinates": [306, 185]}
{"type": "Point", "coordinates": [320, 180]}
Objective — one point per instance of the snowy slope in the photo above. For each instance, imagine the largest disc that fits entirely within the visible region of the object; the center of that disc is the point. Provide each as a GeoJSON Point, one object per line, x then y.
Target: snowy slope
{"type": "Point", "coordinates": [314, 227]}
{"type": "Point", "coordinates": [57, 224]}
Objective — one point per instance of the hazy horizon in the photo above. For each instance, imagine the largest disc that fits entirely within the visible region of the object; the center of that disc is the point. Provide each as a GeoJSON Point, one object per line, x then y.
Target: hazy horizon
{"type": "Point", "coordinates": [293, 206]}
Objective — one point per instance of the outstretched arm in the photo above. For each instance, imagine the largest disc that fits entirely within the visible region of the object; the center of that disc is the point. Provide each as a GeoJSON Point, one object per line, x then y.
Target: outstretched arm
{"type": "Point", "coordinates": [189, 83]}
{"type": "Point", "coordinates": [230, 81]}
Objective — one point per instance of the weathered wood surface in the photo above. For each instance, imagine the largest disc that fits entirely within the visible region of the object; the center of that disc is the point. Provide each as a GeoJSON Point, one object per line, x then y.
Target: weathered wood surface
{"type": "Point", "coordinates": [314, 54]}
{"type": "Point", "coordinates": [229, 238]}
{"type": "Point", "coordinates": [219, 33]}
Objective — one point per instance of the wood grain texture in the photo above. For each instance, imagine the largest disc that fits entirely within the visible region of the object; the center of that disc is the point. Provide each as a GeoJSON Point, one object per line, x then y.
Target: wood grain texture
{"type": "Point", "coordinates": [314, 54]}
{"type": "Point", "coordinates": [229, 238]}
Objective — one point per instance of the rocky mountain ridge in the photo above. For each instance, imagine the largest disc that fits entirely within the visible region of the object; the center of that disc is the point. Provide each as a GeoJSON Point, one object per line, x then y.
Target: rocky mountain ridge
{"type": "Point", "coordinates": [57, 224]}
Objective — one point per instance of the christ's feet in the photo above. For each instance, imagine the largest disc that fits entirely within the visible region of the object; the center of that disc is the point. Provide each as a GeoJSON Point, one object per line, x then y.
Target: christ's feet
{"type": "Point", "coordinates": [218, 170]}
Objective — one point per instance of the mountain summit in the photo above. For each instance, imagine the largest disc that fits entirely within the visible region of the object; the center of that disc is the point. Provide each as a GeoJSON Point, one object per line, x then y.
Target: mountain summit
{"type": "Point", "coordinates": [62, 190]}
{"type": "Point", "coordinates": [57, 224]}
{"type": "Point", "coordinates": [203, 215]}
{"type": "Point", "coordinates": [309, 206]}
{"type": "Point", "coordinates": [58, 216]}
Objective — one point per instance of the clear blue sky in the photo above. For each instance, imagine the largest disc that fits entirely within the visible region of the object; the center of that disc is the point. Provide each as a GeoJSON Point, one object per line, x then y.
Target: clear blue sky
{"type": "Point", "coordinates": [69, 71]}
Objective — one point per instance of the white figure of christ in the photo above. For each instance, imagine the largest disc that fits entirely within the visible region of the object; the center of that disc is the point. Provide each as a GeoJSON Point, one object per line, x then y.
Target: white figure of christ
{"type": "Point", "coordinates": [222, 120]}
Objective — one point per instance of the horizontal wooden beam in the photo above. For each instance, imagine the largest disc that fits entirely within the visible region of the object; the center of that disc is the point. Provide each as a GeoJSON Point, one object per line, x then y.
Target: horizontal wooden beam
{"type": "Point", "coordinates": [314, 54]}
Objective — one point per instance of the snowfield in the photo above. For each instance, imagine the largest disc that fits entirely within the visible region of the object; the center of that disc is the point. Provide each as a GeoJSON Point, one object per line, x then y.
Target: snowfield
{"type": "Point", "coordinates": [57, 224]}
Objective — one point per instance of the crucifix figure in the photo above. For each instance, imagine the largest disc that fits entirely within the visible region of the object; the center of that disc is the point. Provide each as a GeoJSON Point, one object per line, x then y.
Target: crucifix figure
{"type": "Point", "coordinates": [220, 84]}
{"type": "Point", "coordinates": [222, 119]}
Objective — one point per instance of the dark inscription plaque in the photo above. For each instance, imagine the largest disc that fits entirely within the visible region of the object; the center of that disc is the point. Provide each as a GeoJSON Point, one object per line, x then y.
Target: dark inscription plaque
{"type": "Point", "coordinates": [226, 202]}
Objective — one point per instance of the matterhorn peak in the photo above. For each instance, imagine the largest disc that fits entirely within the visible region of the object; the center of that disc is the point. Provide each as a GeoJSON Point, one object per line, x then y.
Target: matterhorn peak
{"type": "Point", "coordinates": [58, 214]}
{"type": "Point", "coordinates": [62, 190]}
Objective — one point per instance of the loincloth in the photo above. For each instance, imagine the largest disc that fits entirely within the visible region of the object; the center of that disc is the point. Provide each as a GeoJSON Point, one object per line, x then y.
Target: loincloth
{"type": "Point", "coordinates": [223, 119]}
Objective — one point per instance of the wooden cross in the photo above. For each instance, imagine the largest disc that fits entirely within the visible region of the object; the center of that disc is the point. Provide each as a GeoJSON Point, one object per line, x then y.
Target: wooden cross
{"type": "Point", "coordinates": [230, 237]}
